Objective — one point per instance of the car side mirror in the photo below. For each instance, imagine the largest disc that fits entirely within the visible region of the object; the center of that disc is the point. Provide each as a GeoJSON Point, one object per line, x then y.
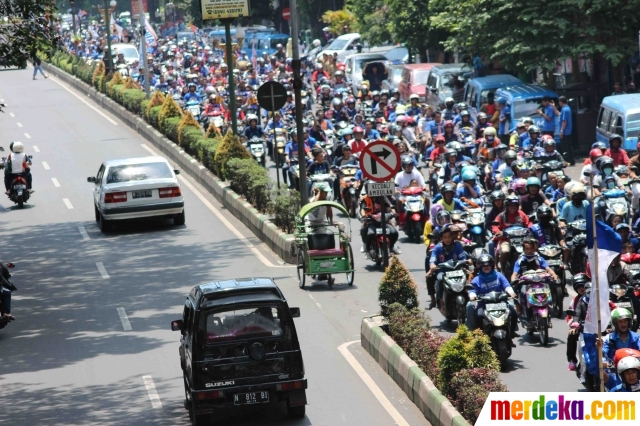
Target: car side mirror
{"type": "Point", "coordinates": [177, 172]}
{"type": "Point", "coordinates": [295, 312]}
{"type": "Point", "coordinates": [177, 325]}
{"type": "Point", "coordinates": [91, 179]}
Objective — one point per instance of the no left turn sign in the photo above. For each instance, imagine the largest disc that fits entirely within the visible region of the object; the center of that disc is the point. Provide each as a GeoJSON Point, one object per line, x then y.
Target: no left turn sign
{"type": "Point", "coordinates": [380, 161]}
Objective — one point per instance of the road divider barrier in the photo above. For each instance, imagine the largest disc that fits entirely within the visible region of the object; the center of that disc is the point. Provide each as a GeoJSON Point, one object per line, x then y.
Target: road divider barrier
{"type": "Point", "coordinates": [405, 372]}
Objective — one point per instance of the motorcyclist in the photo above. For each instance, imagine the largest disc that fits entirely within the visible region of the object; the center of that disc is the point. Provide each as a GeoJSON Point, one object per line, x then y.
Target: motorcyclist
{"type": "Point", "coordinates": [621, 337]}
{"type": "Point", "coordinates": [488, 280]}
{"type": "Point", "coordinates": [624, 230]}
{"type": "Point", "coordinates": [446, 249]}
{"type": "Point", "coordinates": [469, 188]}
{"type": "Point", "coordinates": [338, 80]}
{"type": "Point", "coordinates": [351, 107]}
{"type": "Point", "coordinates": [192, 95]}
{"type": "Point", "coordinates": [358, 143]}
{"type": "Point", "coordinates": [253, 129]}
{"type": "Point", "coordinates": [580, 282]}
{"type": "Point", "coordinates": [368, 229]}
{"type": "Point", "coordinates": [448, 113]}
{"type": "Point", "coordinates": [450, 167]}
{"type": "Point", "coordinates": [534, 139]}
{"type": "Point", "coordinates": [448, 200]}
{"type": "Point", "coordinates": [346, 159]}
{"type": "Point", "coordinates": [291, 155]}
{"type": "Point", "coordinates": [548, 152]}
{"type": "Point", "coordinates": [515, 141]}
{"type": "Point", "coordinates": [577, 208]}
{"type": "Point", "coordinates": [504, 169]}
{"type": "Point", "coordinates": [529, 203]}
{"type": "Point", "coordinates": [512, 216]}
{"type": "Point", "coordinates": [617, 272]}
{"type": "Point", "coordinates": [628, 379]}
{"type": "Point", "coordinates": [530, 260]}
{"type": "Point", "coordinates": [339, 112]}
{"type": "Point", "coordinates": [17, 164]}
{"type": "Point", "coordinates": [319, 166]}
{"type": "Point", "coordinates": [465, 123]}
{"type": "Point", "coordinates": [606, 167]}
{"type": "Point", "coordinates": [615, 151]}
{"type": "Point", "coordinates": [483, 123]}
{"type": "Point", "coordinates": [449, 134]}
{"type": "Point", "coordinates": [414, 108]}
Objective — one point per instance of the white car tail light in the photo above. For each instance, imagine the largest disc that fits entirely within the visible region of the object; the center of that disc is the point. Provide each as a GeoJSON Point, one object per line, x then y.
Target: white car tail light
{"type": "Point", "coordinates": [115, 197]}
{"type": "Point", "coordinates": [173, 191]}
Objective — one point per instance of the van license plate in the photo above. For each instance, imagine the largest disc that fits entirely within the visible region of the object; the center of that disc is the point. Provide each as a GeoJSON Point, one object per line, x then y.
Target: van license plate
{"type": "Point", "coordinates": [141, 194]}
{"type": "Point", "coordinates": [251, 398]}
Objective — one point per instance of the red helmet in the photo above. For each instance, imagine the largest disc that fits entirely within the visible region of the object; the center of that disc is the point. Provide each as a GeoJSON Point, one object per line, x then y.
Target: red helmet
{"type": "Point", "coordinates": [440, 138]}
{"type": "Point", "coordinates": [546, 137]}
{"type": "Point", "coordinates": [596, 153]}
{"type": "Point", "coordinates": [448, 123]}
{"type": "Point", "coordinates": [623, 353]}
{"type": "Point", "coordinates": [358, 129]}
{"type": "Point", "coordinates": [409, 120]}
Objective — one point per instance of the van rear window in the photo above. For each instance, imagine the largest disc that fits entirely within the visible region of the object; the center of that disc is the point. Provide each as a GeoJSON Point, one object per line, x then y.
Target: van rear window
{"type": "Point", "coordinates": [243, 324]}
{"type": "Point", "coordinates": [633, 125]}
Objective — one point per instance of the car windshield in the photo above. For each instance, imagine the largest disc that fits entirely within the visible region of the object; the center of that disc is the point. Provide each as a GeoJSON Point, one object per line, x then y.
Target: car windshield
{"type": "Point", "coordinates": [445, 88]}
{"type": "Point", "coordinates": [128, 51]}
{"type": "Point", "coordinates": [337, 44]}
{"type": "Point", "coordinates": [526, 108]}
{"type": "Point", "coordinates": [397, 54]}
{"type": "Point", "coordinates": [138, 172]}
{"type": "Point", "coordinates": [277, 41]}
{"type": "Point", "coordinates": [420, 77]}
{"type": "Point", "coordinates": [359, 65]}
{"type": "Point", "coordinates": [243, 324]}
{"type": "Point", "coordinates": [633, 125]}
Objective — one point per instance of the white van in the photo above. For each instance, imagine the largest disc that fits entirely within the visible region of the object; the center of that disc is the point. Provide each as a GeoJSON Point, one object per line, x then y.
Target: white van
{"type": "Point", "coordinates": [129, 51]}
{"type": "Point", "coordinates": [344, 45]}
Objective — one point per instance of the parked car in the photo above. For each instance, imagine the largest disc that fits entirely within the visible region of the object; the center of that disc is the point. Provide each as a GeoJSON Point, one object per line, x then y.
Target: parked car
{"type": "Point", "coordinates": [239, 347]}
{"type": "Point", "coordinates": [398, 55]}
{"type": "Point", "coordinates": [129, 51]}
{"type": "Point", "coordinates": [343, 46]}
{"type": "Point", "coordinates": [477, 89]}
{"type": "Point", "coordinates": [438, 82]}
{"type": "Point", "coordinates": [354, 64]}
{"type": "Point", "coordinates": [136, 188]}
{"type": "Point", "coordinates": [620, 114]}
{"type": "Point", "coordinates": [414, 80]}
{"type": "Point", "coordinates": [524, 101]}
{"type": "Point", "coordinates": [395, 75]}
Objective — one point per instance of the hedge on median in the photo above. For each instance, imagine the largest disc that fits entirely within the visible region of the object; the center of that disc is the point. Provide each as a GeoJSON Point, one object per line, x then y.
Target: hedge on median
{"type": "Point", "coordinates": [215, 152]}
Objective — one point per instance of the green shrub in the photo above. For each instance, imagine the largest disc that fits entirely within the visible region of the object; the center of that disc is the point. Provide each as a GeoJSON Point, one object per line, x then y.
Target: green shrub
{"type": "Point", "coordinates": [132, 99]}
{"type": "Point", "coordinates": [470, 389]}
{"type": "Point", "coordinates": [143, 108]}
{"type": "Point", "coordinates": [157, 99]}
{"type": "Point", "coordinates": [397, 286]}
{"type": "Point", "coordinates": [406, 325]}
{"type": "Point", "coordinates": [229, 148]}
{"type": "Point", "coordinates": [169, 109]}
{"type": "Point", "coordinates": [154, 113]}
{"type": "Point", "coordinates": [114, 92]}
{"type": "Point", "coordinates": [187, 123]}
{"type": "Point", "coordinates": [463, 351]}
{"type": "Point", "coordinates": [189, 138]}
{"type": "Point", "coordinates": [240, 171]}
{"type": "Point", "coordinates": [283, 206]}
{"type": "Point", "coordinates": [209, 149]}
{"type": "Point", "coordinates": [171, 128]}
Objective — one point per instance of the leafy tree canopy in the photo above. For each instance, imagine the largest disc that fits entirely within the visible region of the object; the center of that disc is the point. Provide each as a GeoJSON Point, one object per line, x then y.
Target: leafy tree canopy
{"type": "Point", "coordinates": [25, 28]}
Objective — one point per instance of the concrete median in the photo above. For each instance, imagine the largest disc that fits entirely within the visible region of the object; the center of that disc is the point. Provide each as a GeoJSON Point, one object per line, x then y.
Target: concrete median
{"type": "Point", "coordinates": [405, 372]}
{"type": "Point", "coordinates": [278, 241]}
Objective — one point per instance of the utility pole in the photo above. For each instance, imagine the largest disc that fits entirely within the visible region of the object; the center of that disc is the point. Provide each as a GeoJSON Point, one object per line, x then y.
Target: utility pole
{"type": "Point", "coordinates": [143, 31]}
{"type": "Point", "coordinates": [297, 87]}
{"type": "Point", "coordinates": [231, 79]}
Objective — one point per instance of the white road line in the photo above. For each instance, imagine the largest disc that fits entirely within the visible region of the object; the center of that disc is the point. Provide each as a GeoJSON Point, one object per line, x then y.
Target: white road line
{"type": "Point", "coordinates": [102, 271]}
{"type": "Point", "coordinates": [64, 86]}
{"type": "Point", "coordinates": [314, 301]}
{"type": "Point", "coordinates": [151, 390]}
{"type": "Point", "coordinates": [224, 220]}
{"type": "Point", "coordinates": [45, 165]}
{"type": "Point", "coordinates": [55, 182]}
{"type": "Point", "coordinates": [373, 387]}
{"type": "Point", "coordinates": [27, 135]}
{"type": "Point", "coordinates": [126, 325]}
{"type": "Point", "coordinates": [84, 234]}
{"type": "Point", "coordinates": [67, 203]}
{"type": "Point", "coordinates": [11, 114]}
{"type": "Point", "coordinates": [19, 124]}
{"type": "Point", "coordinates": [36, 149]}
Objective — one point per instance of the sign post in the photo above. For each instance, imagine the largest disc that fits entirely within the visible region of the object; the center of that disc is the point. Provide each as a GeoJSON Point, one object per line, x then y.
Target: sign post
{"type": "Point", "coordinates": [379, 162]}
{"type": "Point", "coordinates": [272, 96]}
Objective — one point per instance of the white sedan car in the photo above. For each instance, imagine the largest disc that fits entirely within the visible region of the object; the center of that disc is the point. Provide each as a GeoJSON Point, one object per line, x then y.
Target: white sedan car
{"type": "Point", "coordinates": [135, 188]}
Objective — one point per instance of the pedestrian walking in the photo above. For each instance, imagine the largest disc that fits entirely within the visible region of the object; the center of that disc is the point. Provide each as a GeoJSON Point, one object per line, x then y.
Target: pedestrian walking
{"type": "Point", "coordinates": [37, 66]}
{"type": "Point", "coordinates": [566, 126]}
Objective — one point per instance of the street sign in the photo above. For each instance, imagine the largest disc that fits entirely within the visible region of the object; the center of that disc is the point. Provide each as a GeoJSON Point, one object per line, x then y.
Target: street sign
{"type": "Point", "coordinates": [286, 13]}
{"type": "Point", "coordinates": [223, 9]}
{"type": "Point", "coordinates": [272, 96]}
{"type": "Point", "coordinates": [380, 161]}
{"type": "Point", "coordinates": [380, 189]}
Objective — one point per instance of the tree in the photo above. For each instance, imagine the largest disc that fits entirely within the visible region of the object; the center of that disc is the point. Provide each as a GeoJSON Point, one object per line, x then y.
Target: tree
{"type": "Point", "coordinates": [397, 286]}
{"type": "Point", "coordinates": [340, 21]}
{"type": "Point", "coordinates": [27, 30]}
{"type": "Point", "coordinates": [409, 24]}
{"type": "Point", "coordinates": [374, 17]}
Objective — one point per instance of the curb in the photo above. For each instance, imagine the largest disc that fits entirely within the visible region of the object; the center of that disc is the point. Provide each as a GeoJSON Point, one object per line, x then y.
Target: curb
{"type": "Point", "coordinates": [279, 242]}
{"type": "Point", "coordinates": [435, 407]}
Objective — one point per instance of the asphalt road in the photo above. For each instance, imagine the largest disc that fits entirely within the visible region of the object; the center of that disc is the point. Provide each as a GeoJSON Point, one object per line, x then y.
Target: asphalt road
{"type": "Point", "coordinates": [69, 358]}
{"type": "Point", "coordinates": [531, 366]}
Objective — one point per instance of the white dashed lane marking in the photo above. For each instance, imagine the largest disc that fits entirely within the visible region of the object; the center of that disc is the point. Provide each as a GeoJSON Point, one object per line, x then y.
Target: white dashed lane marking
{"type": "Point", "coordinates": [45, 165]}
{"type": "Point", "coordinates": [55, 182]}
{"type": "Point", "coordinates": [102, 270]}
{"type": "Point", "coordinates": [151, 390]}
{"type": "Point", "coordinates": [36, 149]}
{"type": "Point", "coordinates": [126, 325]}
{"type": "Point", "coordinates": [67, 203]}
{"type": "Point", "coordinates": [84, 234]}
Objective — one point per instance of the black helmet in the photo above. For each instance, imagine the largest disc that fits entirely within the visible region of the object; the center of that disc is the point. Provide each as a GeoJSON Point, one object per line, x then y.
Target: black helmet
{"type": "Point", "coordinates": [534, 129]}
{"type": "Point", "coordinates": [604, 162]}
{"type": "Point", "coordinates": [544, 214]}
{"type": "Point", "coordinates": [407, 161]}
{"type": "Point", "coordinates": [512, 199]}
{"type": "Point", "coordinates": [580, 280]}
{"type": "Point", "coordinates": [510, 155]}
{"type": "Point", "coordinates": [464, 113]}
{"type": "Point", "coordinates": [496, 195]}
{"type": "Point", "coordinates": [449, 152]}
{"type": "Point", "coordinates": [441, 216]}
{"type": "Point", "coordinates": [599, 145]}
{"type": "Point", "coordinates": [293, 132]}
{"type": "Point", "coordinates": [549, 142]}
{"type": "Point", "coordinates": [622, 170]}
{"type": "Point", "coordinates": [501, 147]}
{"type": "Point", "coordinates": [447, 187]}
{"type": "Point", "coordinates": [477, 252]}
{"type": "Point", "coordinates": [614, 137]}
{"type": "Point", "coordinates": [485, 260]}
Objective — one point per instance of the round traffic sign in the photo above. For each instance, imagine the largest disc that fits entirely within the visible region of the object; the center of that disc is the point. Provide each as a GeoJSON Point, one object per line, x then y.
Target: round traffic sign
{"type": "Point", "coordinates": [272, 96]}
{"type": "Point", "coordinates": [380, 161]}
{"type": "Point", "coordinates": [286, 13]}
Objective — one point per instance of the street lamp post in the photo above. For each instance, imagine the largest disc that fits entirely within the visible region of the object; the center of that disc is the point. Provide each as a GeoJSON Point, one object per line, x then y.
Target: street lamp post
{"type": "Point", "coordinates": [232, 84]}
{"type": "Point", "coordinates": [73, 15]}
{"type": "Point", "coordinates": [107, 20]}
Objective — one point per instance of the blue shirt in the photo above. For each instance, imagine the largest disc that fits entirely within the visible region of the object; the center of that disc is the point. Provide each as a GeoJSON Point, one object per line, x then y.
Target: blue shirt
{"type": "Point", "coordinates": [503, 121]}
{"type": "Point", "coordinates": [482, 286]}
{"type": "Point", "coordinates": [565, 115]}
{"type": "Point", "coordinates": [613, 342]}
{"type": "Point", "coordinates": [435, 128]}
{"type": "Point", "coordinates": [249, 132]}
{"type": "Point", "coordinates": [438, 255]}
{"type": "Point", "coordinates": [464, 192]}
{"type": "Point", "coordinates": [541, 263]}
{"type": "Point", "coordinates": [571, 213]}
{"type": "Point", "coordinates": [190, 96]}
{"type": "Point", "coordinates": [550, 124]}
{"type": "Point", "coordinates": [373, 134]}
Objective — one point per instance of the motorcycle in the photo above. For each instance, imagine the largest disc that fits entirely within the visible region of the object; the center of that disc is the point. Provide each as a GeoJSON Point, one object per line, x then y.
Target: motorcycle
{"type": "Point", "coordinates": [414, 214]}
{"type": "Point", "coordinates": [453, 276]}
{"type": "Point", "coordinates": [496, 324]}
{"type": "Point", "coordinates": [348, 188]}
{"type": "Point", "coordinates": [256, 147]}
{"type": "Point", "coordinates": [294, 169]}
{"type": "Point", "coordinates": [476, 226]}
{"type": "Point", "coordinates": [613, 203]}
{"type": "Point", "coordinates": [553, 255]}
{"type": "Point", "coordinates": [535, 297]}
{"type": "Point", "coordinates": [18, 192]}
{"type": "Point", "coordinates": [194, 108]}
{"type": "Point", "coordinates": [322, 177]}
{"type": "Point", "coordinates": [280, 143]}
{"type": "Point", "coordinates": [328, 145]}
{"type": "Point", "coordinates": [6, 283]}
{"type": "Point", "coordinates": [622, 296]}
{"type": "Point", "coordinates": [516, 236]}
{"type": "Point", "coordinates": [576, 239]}
{"type": "Point", "coordinates": [376, 252]}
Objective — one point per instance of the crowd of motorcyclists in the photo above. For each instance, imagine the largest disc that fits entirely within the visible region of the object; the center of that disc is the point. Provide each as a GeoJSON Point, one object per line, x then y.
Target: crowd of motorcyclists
{"type": "Point", "coordinates": [501, 221]}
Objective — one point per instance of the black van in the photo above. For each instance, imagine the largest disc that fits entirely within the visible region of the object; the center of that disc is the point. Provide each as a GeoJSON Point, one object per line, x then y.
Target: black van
{"type": "Point", "coordinates": [239, 347]}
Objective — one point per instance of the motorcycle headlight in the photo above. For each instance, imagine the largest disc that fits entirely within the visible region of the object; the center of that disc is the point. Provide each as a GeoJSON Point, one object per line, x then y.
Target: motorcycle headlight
{"type": "Point", "coordinates": [457, 287]}
{"type": "Point", "coordinates": [619, 290]}
{"type": "Point", "coordinates": [550, 251]}
{"type": "Point", "coordinates": [498, 322]}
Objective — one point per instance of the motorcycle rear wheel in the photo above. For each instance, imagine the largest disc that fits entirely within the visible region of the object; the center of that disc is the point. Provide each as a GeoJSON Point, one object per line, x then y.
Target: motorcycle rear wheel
{"type": "Point", "coordinates": [351, 275]}
{"type": "Point", "coordinates": [301, 276]}
{"type": "Point", "coordinates": [558, 301]}
{"type": "Point", "coordinates": [543, 333]}
{"type": "Point", "coordinates": [502, 351]}
{"type": "Point", "coordinates": [417, 232]}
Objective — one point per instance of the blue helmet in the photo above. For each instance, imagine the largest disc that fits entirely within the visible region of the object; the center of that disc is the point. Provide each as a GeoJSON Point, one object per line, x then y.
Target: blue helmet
{"type": "Point", "coordinates": [533, 181]}
{"type": "Point", "coordinates": [468, 175]}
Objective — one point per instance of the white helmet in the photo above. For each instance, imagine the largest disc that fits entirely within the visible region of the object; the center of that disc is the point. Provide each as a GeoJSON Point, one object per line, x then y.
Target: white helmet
{"type": "Point", "coordinates": [316, 42]}
{"type": "Point", "coordinates": [627, 363]}
{"type": "Point", "coordinates": [577, 188]}
{"type": "Point", "coordinates": [251, 117]}
{"type": "Point", "coordinates": [18, 147]}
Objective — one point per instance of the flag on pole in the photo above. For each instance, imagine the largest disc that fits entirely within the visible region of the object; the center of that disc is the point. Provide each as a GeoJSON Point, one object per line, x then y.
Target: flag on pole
{"type": "Point", "coordinates": [117, 29]}
{"type": "Point", "coordinates": [609, 245]}
{"type": "Point", "coordinates": [150, 35]}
